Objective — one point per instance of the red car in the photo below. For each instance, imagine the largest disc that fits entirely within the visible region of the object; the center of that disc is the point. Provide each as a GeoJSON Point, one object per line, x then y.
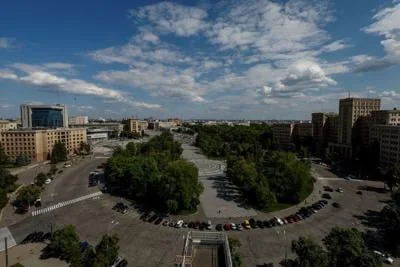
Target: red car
{"type": "Point", "coordinates": [227, 226]}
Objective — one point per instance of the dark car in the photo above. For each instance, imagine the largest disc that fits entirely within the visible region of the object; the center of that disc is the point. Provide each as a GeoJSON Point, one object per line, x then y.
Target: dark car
{"type": "Point", "coordinates": [218, 227]}
{"type": "Point", "coordinates": [266, 224]}
{"type": "Point", "coordinates": [190, 224]}
{"type": "Point", "coordinates": [171, 224]}
{"type": "Point", "coordinates": [260, 224]}
{"type": "Point", "coordinates": [144, 216]}
{"type": "Point", "coordinates": [359, 193]}
{"type": "Point", "coordinates": [122, 263]}
{"type": "Point", "coordinates": [328, 189]}
{"type": "Point", "coordinates": [327, 196]}
{"type": "Point", "coordinates": [336, 205]}
{"type": "Point", "coordinates": [152, 218]}
{"type": "Point", "coordinates": [165, 223]}
{"type": "Point", "coordinates": [28, 238]}
{"type": "Point", "coordinates": [324, 201]}
{"type": "Point", "coordinates": [158, 221]}
{"type": "Point", "coordinates": [253, 223]}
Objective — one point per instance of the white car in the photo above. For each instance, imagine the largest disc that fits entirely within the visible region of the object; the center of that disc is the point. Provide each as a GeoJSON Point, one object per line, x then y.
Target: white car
{"type": "Point", "coordinates": [67, 165]}
{"type": "Point", "coordinates": [233, 226]}
{"type": "Point", "coordinates": [340, 190]}
{"type": "Point", "coordinates": [209, 225]}
{"type": "Point", "coordinates": [179, 224]}
{"type": "Point", "coordinates": [279, 220]}
{"type": "Point", "coordinates": [386, 258]}
{"type": "Point", "coordinates": [48, 181]}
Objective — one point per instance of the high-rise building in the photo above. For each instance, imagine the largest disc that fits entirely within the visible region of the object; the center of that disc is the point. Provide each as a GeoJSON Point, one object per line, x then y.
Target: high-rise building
{"type": "Point", "coordinates": [350, 109]}
{"type": "Point", "coordinates": [388, 137]}
{"type": "Point", "coordinates": [44, 116]}
{"type": "Point", "coordinates": [282, 133]}
{"type": "Point", "coordinates": [325, 130]}
{"type": "Point", "coordinates": [78, 120]}
{"type": "Point", "coordinates": [38, 144]}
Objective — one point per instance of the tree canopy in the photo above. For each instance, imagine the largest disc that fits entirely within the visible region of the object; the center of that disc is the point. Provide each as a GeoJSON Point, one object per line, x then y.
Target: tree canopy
{"type": "Point", "coordinates": [4, 159]}
{"type": "Point", "coordinates": [59, 153]}
{"type": "Point", "coordinates": [64, 244]}
{"type": "Point", "coordinates": [29, 193]}
{"type": "Point", "coordinates": [391, 226]}
{"type": "Point", "coordinates": [344, 248]}
{"type": "Point", "coordinates": [22, 160]}
{"type": "Point", "coordinates": [7, 184]}
{"type": "Point", "coordinates": [153, 173]}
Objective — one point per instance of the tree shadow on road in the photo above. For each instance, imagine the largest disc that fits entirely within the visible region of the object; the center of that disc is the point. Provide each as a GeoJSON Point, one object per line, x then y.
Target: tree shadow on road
{"type": "Point", "coordinates": [379, 190]}
{"type": "Point", "coordinates": [371, 219]}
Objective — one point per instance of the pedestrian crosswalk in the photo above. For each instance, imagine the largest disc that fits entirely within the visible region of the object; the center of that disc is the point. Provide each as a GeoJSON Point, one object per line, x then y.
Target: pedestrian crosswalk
{"type": "Point", "coordinates": [65, 203]}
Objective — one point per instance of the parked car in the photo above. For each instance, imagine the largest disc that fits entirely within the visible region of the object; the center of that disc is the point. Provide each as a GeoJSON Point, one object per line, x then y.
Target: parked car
{"type": "Point", "coordinates": [239, 227]}
{"type": "Point", "coordinates": [327, 196]}
{"type": "Point", "coordinates": [328, 189]}
{"type": "Point", "coordinates": [165, 223]}
{"type": "Point", "coordinates": [385, 257]}
{"type": "Point", "coordinates": [117, 261]}
{"type": "Point", "coordinates": [246, 224]}
{"type": "Point", "coordinates": [339, 190]}
{"type": "Point", "coordinates": [218, 227]}
{"type": "Point", "coordinates": [233, 226]}
{"type": "Point", "coordinates": [260, 224]}
{"type": "Point", "coordinates": [38, 202]}
{"type": "Point", "coordinates": [227, 226]}
{"type": "Point", "coordinates": [209, 225]}
{"type": "Point", "coordinates": [48, 181]}
{"type": "Point", "coordinates": [336, 205]}
{"type": "Point", "coordinates": [278, 220]}
{"type": "Point", "coordinates": [359, 192]}
{"type": "Point", "coordinates": [158, 221]}
{"type": "Point", "coordinates": [179, 224]}
{"type": "Point", "coordinates": [253, 223]}
{"type": "Point", "coordinates": [122, 263]}
{"type": "Point", "coordinates": [266, 224]}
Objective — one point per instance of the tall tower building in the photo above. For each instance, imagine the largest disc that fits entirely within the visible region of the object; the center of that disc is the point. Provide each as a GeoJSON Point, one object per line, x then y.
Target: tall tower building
{"type": "Point", "coordinates": [350, 109]}
{"type": "Point", "coordinates": [44, 116]}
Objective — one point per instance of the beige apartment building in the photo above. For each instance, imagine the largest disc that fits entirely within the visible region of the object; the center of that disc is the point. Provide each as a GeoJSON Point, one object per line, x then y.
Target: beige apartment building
{"type": "Point", "coordinates": [325, 130]}
{"type": "Point", "coordinates": [133, 125]}
{"type": "Point", "coordinates": [38, 144]}
{"type": "Point", "coordinates": [388, 137]}
{"type": "Point", "coordinates": [7, 125]}
{"type": "Point", "coordinates": [282, 133]}
{"type": "Point", "coordinates": [350, 109]}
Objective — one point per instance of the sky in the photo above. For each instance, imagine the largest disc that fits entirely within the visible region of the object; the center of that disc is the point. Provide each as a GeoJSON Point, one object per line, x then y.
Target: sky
{"type": "Point", "coordinates": [250, 59]}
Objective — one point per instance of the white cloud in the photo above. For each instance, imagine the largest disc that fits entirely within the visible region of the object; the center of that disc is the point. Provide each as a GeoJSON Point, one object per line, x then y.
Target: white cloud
{"type": "Point", "coordinates": [8, 74]}
{"type": "Point", "coordinates": [335, 46]}
{"type": "Point", "coordinates": [7, 42]}
{"type": "Point", "coordinates": [169, 17]}
{"type": "Point", "coordinates": [270, 28]}
{"type": "Point", "coordinates": [44, 79]}
{"type": "Point", "coordinates": [157, 79]}
{"type": "Point", "coordinates": [387, 24]}
{"type": "Point", "coordinates": [6, 105]}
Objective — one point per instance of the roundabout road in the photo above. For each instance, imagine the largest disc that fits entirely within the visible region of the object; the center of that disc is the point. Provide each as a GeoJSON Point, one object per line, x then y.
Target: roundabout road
{"type": "Point", "coordinates": [145, 244]}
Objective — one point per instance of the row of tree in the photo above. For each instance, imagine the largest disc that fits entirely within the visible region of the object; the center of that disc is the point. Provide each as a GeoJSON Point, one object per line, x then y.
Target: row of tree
{"type": "Point", "coordinates": [153, 173]}
{"type": "Point", "coordinates": [7, 185]}
{"type": "Point", "coordinates": [391, 223]}
{"type": "Point", "coordinates": [21, 160]}
{"type": "Point", "coordinates": [342, 248]}
{"type": "Point", "coordinates": [65, 245]}
{"type": "Point", "coordinates": [278, 177]}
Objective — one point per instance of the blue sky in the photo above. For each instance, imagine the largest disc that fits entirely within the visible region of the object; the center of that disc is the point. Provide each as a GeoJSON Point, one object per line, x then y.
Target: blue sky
{"type": "Point", "coordinates": [194, 59]}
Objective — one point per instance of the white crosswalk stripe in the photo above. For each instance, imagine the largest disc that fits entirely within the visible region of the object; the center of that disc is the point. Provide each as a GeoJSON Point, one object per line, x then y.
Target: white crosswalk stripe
{"type": "Point", "coordinates": [65, 203]}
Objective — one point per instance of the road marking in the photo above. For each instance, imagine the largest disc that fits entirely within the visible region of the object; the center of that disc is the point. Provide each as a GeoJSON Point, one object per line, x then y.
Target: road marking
{"type": "Point", "coordinates": [65, 203]}
{"type": "Point", "coordinates": [5, 232]}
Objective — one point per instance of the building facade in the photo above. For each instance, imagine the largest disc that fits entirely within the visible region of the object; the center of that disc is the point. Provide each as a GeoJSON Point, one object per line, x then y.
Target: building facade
{"type": "Point", "coordinates": [133, 126]}
{"type": "Point", "coordinates": [44, 116]}
{"type": "Point", "coordinates": [7, 125]}
{"type": "Point", "coordinates": [350, 109]}
{"type": "Point", "coordinates": [388, 137]}
{"type": "Point", "coordinates": [38, 144]}
{"type": "Point", "coordinates": [282, 133]}
{"type": "Point", "coordinates": [388, 117]}
{"type": "Point", "coordinates": [79, 120]}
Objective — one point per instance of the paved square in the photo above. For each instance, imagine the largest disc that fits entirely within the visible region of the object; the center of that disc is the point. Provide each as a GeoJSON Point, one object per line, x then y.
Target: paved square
{"type": "Point", "coordinates": [220, 198]}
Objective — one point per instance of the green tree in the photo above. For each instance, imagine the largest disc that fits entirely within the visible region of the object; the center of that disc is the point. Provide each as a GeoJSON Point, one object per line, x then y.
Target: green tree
{"type": "Point", "coordinates": [29, 193]}
{"type": "Point", "coordinates": [391, 223]}
{"type": "Point", "coordinates": [7, 180]}
{"type": "Point", "coordinates": [234, 244]}
{"type": "Point", "coordinates": [64, 244]}
{"type": "Point", "coordinates": [59, 153]}
{"type": "Point", "coordinates": [22, 160]}
{"type": "Point", "coordinates": [4, 159]}
{"type": "Point", "coordinates": [107, 250]}
{"type": "Point", "coordinates": [3, 198]}
{"type": "Point", "coordinates": [346, 247]}
{"type": "Point", "coordinates": [309, 254]}
{"type": "Point", "coordinates": [40, 179]}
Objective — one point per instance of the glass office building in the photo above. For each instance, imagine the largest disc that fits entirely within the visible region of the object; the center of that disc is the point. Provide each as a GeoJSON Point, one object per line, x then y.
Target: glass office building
{"type": "Point", "coordinates": [44, 116]}
{"type": "Point", "coordinates": [47, 117]}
